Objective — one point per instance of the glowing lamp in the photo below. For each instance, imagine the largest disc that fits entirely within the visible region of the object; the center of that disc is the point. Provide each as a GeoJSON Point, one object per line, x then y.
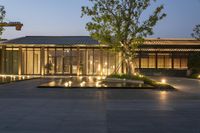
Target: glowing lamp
{"type": "Point", "coordinates": [66, 84]}
{"type": "Point", "coordinates": [163, 81]}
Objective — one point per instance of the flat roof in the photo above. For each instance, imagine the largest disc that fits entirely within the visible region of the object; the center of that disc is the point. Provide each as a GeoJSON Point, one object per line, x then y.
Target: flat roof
{"type": "Point", "coordinates": [57, 40]}
{"type": "Point", "coordinates": [88, 41]}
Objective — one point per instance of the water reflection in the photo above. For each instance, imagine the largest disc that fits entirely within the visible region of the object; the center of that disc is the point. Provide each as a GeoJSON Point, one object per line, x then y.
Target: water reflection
{"type": "Point", "coordinates": [163, 96]}
{"type": "Point", "coordinates": [12, 78]}
{"type": "Point", "coordinates": [97, 82]}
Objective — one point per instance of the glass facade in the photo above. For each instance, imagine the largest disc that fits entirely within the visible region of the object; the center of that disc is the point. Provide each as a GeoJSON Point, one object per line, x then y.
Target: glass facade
{"type": "Point", "coordinates": [82, 61]}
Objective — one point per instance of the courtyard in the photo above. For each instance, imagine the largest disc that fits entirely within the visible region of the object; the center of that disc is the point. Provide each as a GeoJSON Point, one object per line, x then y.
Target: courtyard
{"type": "Point", "coordinates": [28, 109]}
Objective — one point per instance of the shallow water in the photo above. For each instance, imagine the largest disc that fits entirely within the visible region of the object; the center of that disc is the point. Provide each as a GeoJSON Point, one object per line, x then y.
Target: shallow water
{"type": "Point", "coordinates": [87, 82]}
{"type": "Point", "coordinates": [8, 79]}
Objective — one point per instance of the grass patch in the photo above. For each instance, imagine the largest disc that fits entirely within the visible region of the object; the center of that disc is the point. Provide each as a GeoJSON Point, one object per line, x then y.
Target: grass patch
{"type": "Point", "coordinates": [195, 76]}
{"type": "Point", "coordinates": [145, 79]}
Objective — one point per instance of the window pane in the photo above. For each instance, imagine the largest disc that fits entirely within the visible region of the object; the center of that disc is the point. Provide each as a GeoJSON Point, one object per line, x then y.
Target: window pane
{"type": "Point", "coordinates": [51, 63]}
{"type": "Point", "coordinates": [152, 61]}
{"type": "Point", "coordinates": [97, 62]}
{"type": "Point", "coordinates": [105, 62]}
{"type": "Point", "coordinates": [82, 62]}
{"type": "Point", "coordinates": [112, 59]}
{"type": "Point", "coordinates": [37, 57]}
{"type": "Point", "coordinates": [90, 62]}
{"type": "Point", "coordinates": [67, 64]}
{"type": "Point", "coordinates": [29, 61]}
{"type": "Point", "coordinates": [59, 61]}
{"type": "Point", "coordinates": [74, 62]}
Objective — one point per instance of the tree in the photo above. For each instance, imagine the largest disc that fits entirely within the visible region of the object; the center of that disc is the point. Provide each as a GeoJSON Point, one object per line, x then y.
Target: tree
{"type": "Point", "coordinates": [2, 16]}
{"type": "Point", "coordinates": [196, 32]}
{"type": "Point", "coordinates": [194, 63]}
{"type": "Point", "coordinates": [118, 24]}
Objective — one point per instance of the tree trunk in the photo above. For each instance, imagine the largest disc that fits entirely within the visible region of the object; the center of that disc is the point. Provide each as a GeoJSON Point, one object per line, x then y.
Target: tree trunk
{"type": "Point", "coordinates": [130, 67]}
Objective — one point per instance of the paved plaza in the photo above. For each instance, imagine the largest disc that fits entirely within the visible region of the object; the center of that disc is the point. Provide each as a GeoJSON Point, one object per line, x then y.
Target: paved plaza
{"type": "Point", "coordinates": [24, 108]}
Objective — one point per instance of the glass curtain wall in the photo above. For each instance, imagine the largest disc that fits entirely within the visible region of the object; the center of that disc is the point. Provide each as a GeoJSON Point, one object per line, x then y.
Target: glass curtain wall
{"type": "Point", "coordinates": [180, 61]}
{"type": "Point", "coordinates": [85, 61]}
{"type": "Point", "coordinates": [67, 61]}
{"type": "Point", "coordinates": [59, 61]}
{"type": "Point", "coordinates": [1, 61]}
{"type": "Point", "coordinates": [164, 60]}
{"type": "Point", "coordinates": [31, 61]}
{"type": "Point", "coordinates": [82, 62]}
{"type": "Point", "coordinates": [90, 61]}
{"type": "Point", "coordinates": [97, 62]}
{"type": "Point", "coordinates": [11, 60]}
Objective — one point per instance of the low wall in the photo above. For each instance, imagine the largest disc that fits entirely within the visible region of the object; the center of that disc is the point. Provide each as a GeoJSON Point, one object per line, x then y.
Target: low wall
{"type": "Point", "coordinates": [163, 72]}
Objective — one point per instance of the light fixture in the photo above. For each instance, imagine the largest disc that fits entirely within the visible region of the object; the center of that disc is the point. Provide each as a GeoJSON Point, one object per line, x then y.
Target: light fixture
{"type": "Point", "coordinates": [66, 84]}
{"type": "Point", "coordinates": [141, 76]}
{"type": "Point", "coordinates": [163, 81]}
{"type": "Point", "coordinates": [82, 83]}
{"type": "Point", "coordinates": [70, 83]}
{"type": "Point", "coordinates": [98, 84]}
{"type": "Point", "coordinates": [99, 67]}
{"type": "Point", "coordinates": [99, 78]}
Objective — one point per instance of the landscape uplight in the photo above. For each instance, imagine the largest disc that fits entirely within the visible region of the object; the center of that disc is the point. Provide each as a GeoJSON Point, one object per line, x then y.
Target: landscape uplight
{"type": "Point", "coordinates": [82, 83]}
{"type": "Point", "coordinates": [163, 81]}
{"type": "Point", "coordinates": [141, 76]}
{"type": "Point", "coordinates": [70, 83]}
{"type": "Point", "coordinates": [98, 84]}
{"type": "Point", "coordinates": [66, 84]}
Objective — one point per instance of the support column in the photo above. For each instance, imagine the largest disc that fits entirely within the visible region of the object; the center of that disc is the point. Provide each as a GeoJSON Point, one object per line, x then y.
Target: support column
{"type": "Point", "coordinates": [42, 58]}
{"type": "Point", "coordinates": [78, 61]}
{"type": "Point", "coordinates": [3, 60]}
{"type": "Point", "coordinates": [156, 60]}
{"type": "Point", "coordinates": [86, 62]}
{"type": "Point", "coordinates": [140, 59]}
{"type": "Point", "coordinates": [172, 56]}
{"type": "Point", "coordinates": [20, 61]}
{"type": "Point", "coordinates": [101, 62]}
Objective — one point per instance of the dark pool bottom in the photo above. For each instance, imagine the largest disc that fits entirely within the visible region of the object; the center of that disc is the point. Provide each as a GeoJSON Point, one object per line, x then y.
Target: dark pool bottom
{"type": "Point", "coordinates": [93, 83]}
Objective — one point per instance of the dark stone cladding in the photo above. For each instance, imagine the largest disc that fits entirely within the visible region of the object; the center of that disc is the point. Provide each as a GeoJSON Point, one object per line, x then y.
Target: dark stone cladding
{"type": "Point", "coordinates": [88, 41]}
{"type": "Point", "coordinates": [57, 40]}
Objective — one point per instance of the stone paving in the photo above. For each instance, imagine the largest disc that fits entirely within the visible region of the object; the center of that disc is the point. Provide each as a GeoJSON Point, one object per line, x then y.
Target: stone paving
{"type": "Point", "coordinates": [24, 108]}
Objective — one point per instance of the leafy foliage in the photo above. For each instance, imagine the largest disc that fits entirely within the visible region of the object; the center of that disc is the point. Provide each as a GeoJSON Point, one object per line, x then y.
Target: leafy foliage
{"type": "Point", "coordinates": [194, 62]}
{"type": "Point", "coordinates": [2, 16]}
{"type": "Point", "coordinates": [115, 21]}
{"type": "Point", "coordinates": [196, 32]}
{"type": "Point", "coordinates": [146, 80]}
{"type": "Point", "coordinates": [118, 24]}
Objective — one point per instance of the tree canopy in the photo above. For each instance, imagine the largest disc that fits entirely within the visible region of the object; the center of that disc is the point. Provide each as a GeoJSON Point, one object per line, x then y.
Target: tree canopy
{"type": "Point", "coordinates": [118, 24]}
{"type": "Point", "coordinates": [115, 21]}
{"type": "Point", "coordinates": [2, 16]}
{"type": "Point", "coordinates": [196, 32]}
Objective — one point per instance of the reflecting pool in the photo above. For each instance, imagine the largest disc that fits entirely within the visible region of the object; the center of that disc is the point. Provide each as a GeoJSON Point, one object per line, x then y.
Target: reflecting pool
{"type": "Point", "coordinates": [12, 78]}
{"type": "Point", "coordinates": [91, 82]}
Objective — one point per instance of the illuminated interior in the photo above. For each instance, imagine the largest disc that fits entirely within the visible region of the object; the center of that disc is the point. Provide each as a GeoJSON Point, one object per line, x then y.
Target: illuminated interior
{"type": "Point", "coordinates": [89, 59]}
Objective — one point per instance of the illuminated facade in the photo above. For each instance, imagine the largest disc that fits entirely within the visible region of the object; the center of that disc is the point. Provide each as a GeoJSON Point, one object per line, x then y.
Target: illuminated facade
{"type": "Point", "coordinates": [81, 55]}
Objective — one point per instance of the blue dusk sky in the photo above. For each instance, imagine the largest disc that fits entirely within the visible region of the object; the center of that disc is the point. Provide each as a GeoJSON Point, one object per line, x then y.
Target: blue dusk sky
{"type": "Point", "coordinates": [62, 18]}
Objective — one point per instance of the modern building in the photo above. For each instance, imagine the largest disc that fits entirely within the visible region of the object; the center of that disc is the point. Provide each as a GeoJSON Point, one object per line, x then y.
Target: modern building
{"type": "Point", "coordinates": [81, 55]}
